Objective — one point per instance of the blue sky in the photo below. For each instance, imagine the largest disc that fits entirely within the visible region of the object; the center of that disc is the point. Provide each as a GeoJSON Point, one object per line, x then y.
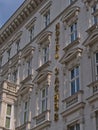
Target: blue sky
{"type": "Point", "coordinates": [7, 8]}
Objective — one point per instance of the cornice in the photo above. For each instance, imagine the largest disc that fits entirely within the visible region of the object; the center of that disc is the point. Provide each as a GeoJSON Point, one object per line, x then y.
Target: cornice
{"type": "Point", "coordinates": [21, 14]}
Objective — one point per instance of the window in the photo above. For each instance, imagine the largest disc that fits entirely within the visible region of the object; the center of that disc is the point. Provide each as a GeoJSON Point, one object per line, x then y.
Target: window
{"type": "Point", "coordinates": [45, 53]}
{"type": "Point", "coordinates": [94, 8]}
{"type": "Point", "coordinates": [96, 65]}
{"type": "Point", "coordinates": [9, 53]}
{"type": "Point", "coordinates": [25, 111]}
{"type": "Point", "coordinates": [15, 76]}
{"type": "Point", "coordinates": [31, 33]}
{"type": "Point", "coordinates": [74, 127]}
{"type": "Point", "coordinates": [8, 116]}
{"type": "Point", "coordinates": [44, 97]}
{"type": "Point", "coordinates": [29, 67]}
{"type": "Point", "coordinates": [97, 120]}
{"type": "Point", "coordinates": [75, 80]}
{"type": "Point", "coordinates": [71, 1]}
{"type": "Point", "coordinates": [47, 18]}
{"type": "Point", "coordinates": [0, 62]}
{"type": "Point", "coordinates": [18, 45]}
{"type": "Point", "coordinates": [73, 31]}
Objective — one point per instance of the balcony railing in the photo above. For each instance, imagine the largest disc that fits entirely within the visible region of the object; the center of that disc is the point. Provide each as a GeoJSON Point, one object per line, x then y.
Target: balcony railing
{"type": "Point", "coordinates": [25, 126]}
{"type": "Point", "coordinates": [93, 87]}
{"type": "Point", "coordinates": [41, 118]}
{"type": "Point", "coordinates": [72, 100]}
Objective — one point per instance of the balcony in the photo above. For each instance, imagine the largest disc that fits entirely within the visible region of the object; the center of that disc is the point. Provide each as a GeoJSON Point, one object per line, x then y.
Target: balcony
{"type": "Point", "coordinates": [25, 126]}
{"type": "Point", "coordinates": [93, 91]}
{"type": "Point", "coordinates": [73, 103]}
{"type": "Point", "coordinates": [42, 120]}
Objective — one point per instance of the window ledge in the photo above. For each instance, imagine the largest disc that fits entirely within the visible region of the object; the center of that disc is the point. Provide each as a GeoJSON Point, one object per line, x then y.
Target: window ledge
{"type": "Point", "coordinates": [72, 44]}
{"type": "Point", "coordinates": [29, 77]}
{"type": "Point", "coordinates": [45, 65]}
{"type": "Point", "coordinates": [92, 28]}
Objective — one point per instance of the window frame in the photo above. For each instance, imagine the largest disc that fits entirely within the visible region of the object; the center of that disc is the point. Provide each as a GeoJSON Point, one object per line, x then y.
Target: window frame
{"type": "Point", "coordinates": [44, 99]}
{"type": "Point", "coordinates": [32, 32]}
{"type": "Point", "coordinates": [74, 80]}
{"type": "Point", "coordinates": [25, 113]}
{"type": "Point", "coordinates": [8, 116]}
{"type": "Point", "coordinates": [45, 53]}
{"type": "Point", "coordinates": [46, 18]}
{"type": "Point", "coordinates": [73, 31]}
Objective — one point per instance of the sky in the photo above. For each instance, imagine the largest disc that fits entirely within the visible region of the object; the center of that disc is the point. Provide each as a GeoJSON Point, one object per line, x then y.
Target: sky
{"type": "Point", "coordinates": [7, 8]}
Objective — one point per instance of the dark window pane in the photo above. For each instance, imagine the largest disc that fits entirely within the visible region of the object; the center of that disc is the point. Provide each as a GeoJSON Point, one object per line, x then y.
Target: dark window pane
{"type": "Point", "coordinates": [72, 87]}
{"type": "Point", "coordinates": [72, 74]}
{"type": "Point", "coordinates": [96, 57]}
{"type": "Point", "coordinates": [77, 84]}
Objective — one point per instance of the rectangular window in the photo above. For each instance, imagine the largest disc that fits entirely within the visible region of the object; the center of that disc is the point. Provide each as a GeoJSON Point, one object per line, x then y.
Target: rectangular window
{"type": "Point", "coordinates": [0, 62]}
{"type": "Point", "coordinates": [74, 127]}
{"type": "Point", "coordinates": [8, 116]}
{"type": "Point", "coordinates": [75, 80]}
{"type": "Point", "coordinates": [45, 54]}
{"type": "Point", "coordinates": [9, 53]}
{"type": "Point", "coordinates": [71, 1]}
{"type": "Point", "coordinates": [18, 45]}
{"type": "Point", "coordinates": [29, 67]}
{"type": "Point", "coordinates": [15, 76]}
{"type": "Point", "coordinates": [25, 111]}
{"type": "Point", "coordinates": [31, 33]}
{"type": "Point", "coordinates": [44, 96]}
{"type": "Point", "coordinates": [94, 8]}
{"type": "Point", "coordinates": [73, 30]}
{"type": "Point", "coordinates": [96, 65]}
{"type": "Point", "coordinates": [97, 120]}
{"type": "Point", "coordinates": [47, 18]}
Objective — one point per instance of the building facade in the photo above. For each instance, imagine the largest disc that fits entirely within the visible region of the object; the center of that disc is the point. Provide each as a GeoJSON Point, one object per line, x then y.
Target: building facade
{"type": "Point", "coordinates": [49, 66]}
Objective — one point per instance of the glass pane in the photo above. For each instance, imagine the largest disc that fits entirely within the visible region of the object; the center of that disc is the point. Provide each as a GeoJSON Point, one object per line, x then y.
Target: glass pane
{"type": "Point", "coordinates": [43, 105]}
{"type": "Point", "coordinates": [97, 70]}
{"type": "Point", "coordinates": [77, 127]}
{"type": "Point", "coordinates": [72, 128]}
{"type": "Point", "coordinates": [7, 125]}
{"type": "Point", "coordinates": [26, 104]}
{"type": "Point", "coordinates": [72, 87]}
{"type": "Point", "coordinates": [43, 93]}
{"type": "Point", "coordinates": [8, 109]}
{"type": "Point", "coordinates": [72, 74]}
{"type": "Point", "coordinates": [46, 91]}
{"type": "Point", "coordinates": [77, 70]}
{"type": "Point", "coordinates": [25, 116]}
{"type": "Point", "coordinates": [96, 57]}
{"type": "Point", "coordinates": [77, 84]}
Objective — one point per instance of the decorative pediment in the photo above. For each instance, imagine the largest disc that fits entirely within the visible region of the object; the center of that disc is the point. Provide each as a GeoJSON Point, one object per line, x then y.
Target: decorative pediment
{"type": "Point", "coordinates": [70, 55]}
{"type": "Point", "coordinates": [25, 88]}
{"type": "Point", "coordinates": [45, 36]}
{"type": "Point", "coordinates": [92, 39]}
{"type": "Point", "coordinates": [27, 50]}
{"type": "Point", "coordinates": [70, 15]}
{"type": "Point", "coordinates": [42, 76]}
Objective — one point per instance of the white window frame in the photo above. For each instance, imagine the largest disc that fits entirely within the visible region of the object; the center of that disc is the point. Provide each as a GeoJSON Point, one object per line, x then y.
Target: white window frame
{"type": "Point", "coordinates": [74, 80]}
{"type": "Point", "coordinates": [44, 99]}
{"type": "Point", "coordinates": [73, 32]}
{"type": "Point", "coordinates": [8, 116]}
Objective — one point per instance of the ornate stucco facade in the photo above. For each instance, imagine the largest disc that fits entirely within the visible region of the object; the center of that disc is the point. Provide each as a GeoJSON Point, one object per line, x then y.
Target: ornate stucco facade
{"type": "Point", "coordinates": [49, 66]}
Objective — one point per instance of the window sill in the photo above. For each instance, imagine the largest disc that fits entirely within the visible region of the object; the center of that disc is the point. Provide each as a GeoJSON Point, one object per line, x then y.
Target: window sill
{"type": "Point", "coordinates": [72, 44]}
{"type": "Point", "coordinates": [43, 66]}
{"type": "Point", "coordinates": [92, 28]}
